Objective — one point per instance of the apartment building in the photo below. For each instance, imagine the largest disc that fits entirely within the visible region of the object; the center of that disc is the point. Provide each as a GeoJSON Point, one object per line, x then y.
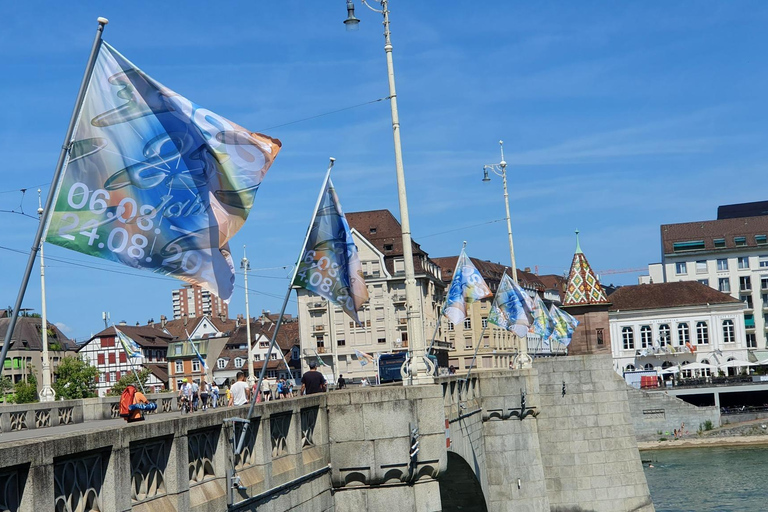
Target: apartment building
{"type": "Point", "coordinates": [193, 301]}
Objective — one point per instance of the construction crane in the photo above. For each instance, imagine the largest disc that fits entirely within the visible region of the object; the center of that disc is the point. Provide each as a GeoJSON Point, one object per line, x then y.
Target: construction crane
{"type": "Point", "coordinates": [621, 271]}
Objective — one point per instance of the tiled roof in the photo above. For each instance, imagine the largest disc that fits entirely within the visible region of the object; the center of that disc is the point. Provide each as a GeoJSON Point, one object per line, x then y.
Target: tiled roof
{"type": "Point", "coordinates": [490, 271]}
{"type": "Point", "coordinates": [231, 354]}
{"type": "Point", "coordinates": [287, 336]}
{"type": "Point", "coordinates": [667, 295]}
{"type": "Point", "coordinates": [179, 327]}
{"type": "Point", "coordinates": [146, 337]}
{"type": "Point", "coordinates": [29, 329]}
{"type": "Point", "coordinates": [158, 370]}
{"type": "Point", "coordinates": [583, 286]}
{"type": "Point", "coordinates": [709, 230]}
{"type": "Point", "coordinates": [554, 282]}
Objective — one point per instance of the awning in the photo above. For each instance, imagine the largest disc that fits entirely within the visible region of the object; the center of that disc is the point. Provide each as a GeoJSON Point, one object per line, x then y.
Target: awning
{"type": "Point", "coordinates": [220, 380]}
{"type": "Point", "coordinates": [753, 356]}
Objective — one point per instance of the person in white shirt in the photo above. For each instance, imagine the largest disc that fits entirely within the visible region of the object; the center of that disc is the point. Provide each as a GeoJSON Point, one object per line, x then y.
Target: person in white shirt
{"type": "Point", "coordinates": [240, 394]}
{"type": "Point", "coordinates": [266, 391]}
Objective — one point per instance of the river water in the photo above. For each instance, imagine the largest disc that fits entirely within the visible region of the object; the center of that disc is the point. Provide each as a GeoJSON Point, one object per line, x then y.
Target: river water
{"type": "Point", "coordinates": [720, 479]}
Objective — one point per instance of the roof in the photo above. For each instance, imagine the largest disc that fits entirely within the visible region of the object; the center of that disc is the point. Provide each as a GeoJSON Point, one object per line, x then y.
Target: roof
{"type": "Point", "coordinates": [158, 370]}
{"type": "Point", "coordinates": [710, 230]}
{"type": "Point", "coordinates": [287, 336]}
{"type": "Point", "coordinates": [735, 211]}
{"type": "Point", "coordinates": [230, 354]}
{"type": "Point", "coordinates": [178, 328]}
{"type": "Point", "coordinates": [554, 282]}
{"type": "Point", "coordinates": [28, 329]}
{"type": "Point", "coordinates": [583, 287]}
{"type": "Point", "coordinates": [146, 337]}
{"type": "Point", "coordinates": [490, 271]}
{"type": "Point", "coordinates": [667, 295]}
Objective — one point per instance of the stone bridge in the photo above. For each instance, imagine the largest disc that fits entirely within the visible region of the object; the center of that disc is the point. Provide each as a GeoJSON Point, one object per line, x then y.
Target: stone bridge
{"type": "Point", "coordinates": [557, 437]}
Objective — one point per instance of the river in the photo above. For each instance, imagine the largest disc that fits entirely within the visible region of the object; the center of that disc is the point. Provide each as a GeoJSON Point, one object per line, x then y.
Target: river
{"type": "Point", "coordinates": [719, 479]}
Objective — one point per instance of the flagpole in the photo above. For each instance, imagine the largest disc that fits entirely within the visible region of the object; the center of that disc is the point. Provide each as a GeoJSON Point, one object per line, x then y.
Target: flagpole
{"type": "Point", "coordinates": [474, 356]}
{"type": "Point", "coordinates": [54, 186]}
{"type": "Point", "coordinates": [282, 309]}
{"type": "Point", "coordinates": [128, 356]}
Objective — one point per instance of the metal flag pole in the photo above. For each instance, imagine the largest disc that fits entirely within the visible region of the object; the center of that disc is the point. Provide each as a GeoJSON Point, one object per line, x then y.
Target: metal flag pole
{"type": "Point", "coordinates": [282, 309]}
{"type": "Point", "coordinates": [128, 356]}
{"type": "Point", "coordinates": [54, 186]}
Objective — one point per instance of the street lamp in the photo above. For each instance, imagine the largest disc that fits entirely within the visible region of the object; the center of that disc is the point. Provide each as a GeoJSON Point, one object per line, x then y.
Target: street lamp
{"type": "Point", "coordinates": [47, 394]}
{"type": "Point", "coordinates": [522, 359]}
{"type": "Point", "coordinates": [246, 266]}
{"type": "Point", "coordinates": [419, 371]}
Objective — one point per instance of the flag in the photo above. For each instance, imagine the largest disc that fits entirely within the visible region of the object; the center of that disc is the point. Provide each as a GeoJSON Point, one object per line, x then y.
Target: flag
{"type": "Point", "coordinates": [512, 309]}
{"type": "Point", "coordinates": [319, 360]}
{"type": "Point", "coordinates": [154, 181]}
{"type": "Point", "coordinates": [330, 266]}
{"type": "Point", "coordinates": [565, 324]}
{"type": "Point", "coordinates": [132, 349]}
{"type": "Point", "coordinates": [467, 286]}
{"type": "Point", "coordinates": [543, 325]}
{"type": "Point", "coordinates": [197, 353]}
{"type": "Point", "coordinates": [363, 358]}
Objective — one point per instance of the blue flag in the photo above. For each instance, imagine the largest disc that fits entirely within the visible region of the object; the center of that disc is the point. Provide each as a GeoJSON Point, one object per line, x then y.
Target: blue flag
{"type": "Point", "coordinates": [565, 324]}
{"type": "Point", "coordinates": [199, 357]}
{"type": "Point", "coordinates": [467, 286]}
{"type": "Point", "coordinates": [132, 349]}
{"type": "Point", "coordinates": [330, 266]}
{"type": "Point", "coordinates": [543, 324]}
{"type": "Point", "coordinates": [512, 308]}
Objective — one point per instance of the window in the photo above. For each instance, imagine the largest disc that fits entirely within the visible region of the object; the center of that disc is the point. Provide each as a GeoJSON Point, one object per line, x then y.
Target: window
{"type": "Point", "coordinates": [485, 322]}
{"type": "Point", "coordinates": [450, 326]}
{"type": "Point", "coordinates": [751, 341]}
{"type": "Point", "coordinates": [680, 268]}
{"type": "Point", "coordinates": [724, 285]}
{"type": "Point", "coordinates": [221, 363]}
{"type": "Point", "coordinates": [382, 340]}
{"type": "Point", "coordinates": [683, 334]}
{"type": "Point", "coordinates": [177, 349]}
{"type": "Point", "coordinates": [467, 342]}
{"type": "Point", "coordinates": [117, 375]}
{"type": "Point", "coordinates": [372, 231]}
{"type": "Point", "coordinates": [761, 239]}
{"type": "Point", "coordinates": [630, 368]}
{"type": "Point", "coordinates": [749, 321]}
{"type": "Point", "coordinates": [719, 243]}
{"type": "Point", "coordinates": [764, 282]}
{"type": "Point", "coordinates": [179, 366]}
{"type": "Point", "coordinates": [744, 262]}
{"type": "Point", "coordinates": [238, 362]}
{"type": "Point", "coordinates": [701, 266]}
{"type": "Point", "coordinates": [467, 323]}
{"type": "Point", "coordinates": [341, 343]}
{"type": "Point", "coordinates": [664, 335]}
{"type": "Point", "coordinates": [648, 367]}
{"type": "Point", "coordinates": [99, 358]}
{"type": "Point", "coordinates": [702, 333]}
{"type": "Point", "coordinates": [320, 341]}
{"type": "Point", "coordinates": [107, 342]}
{"type": "Point", "coordinates": [388, 247]}
{"type": "Point", "coordinates": [747, 299]}
{"type": "Point", "coordinates": [745, 283]}
{"type": "Point", "coordinates": [112, 377]}
{"type": "Point", "coordinates": [123, 359]}
{"type": "Point", "coordinates": [762, 261]}
{"type": "Point", "coordinates": [646, 336]}
{"type": "Point", "coordinates": [111, 358]}
{"type": "Point", "coordinates": [729, 333]}
{"type": "Point", "coordinates": [694, 245]}
{"type": "Point", "coordinates": [740, 241]}
{"type": "Point", "coordinates": [705, 282]}
{"type": "Point", "coordinates": [600, 338]}
{"type": "Point", "coordinates": [628, 336]}
{"type": "Point", "coordinates": [722, 264]}
{"type": "Point", "coordinates": [195, 365]}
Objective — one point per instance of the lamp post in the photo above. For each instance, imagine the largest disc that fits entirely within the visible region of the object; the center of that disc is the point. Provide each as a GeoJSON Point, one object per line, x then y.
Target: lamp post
{"type": "Point", "coordinates": [418, 373]}
{"type": "Point", "coordinates": [246, 266]}
{"type": "Point", "coordinates": [47, 394]}
{"type": "Point", "coordinates": [522, 359]}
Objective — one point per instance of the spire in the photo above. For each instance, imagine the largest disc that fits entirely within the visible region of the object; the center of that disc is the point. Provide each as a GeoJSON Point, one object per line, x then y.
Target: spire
{"type": "Point", "coordinates": [583, 287]}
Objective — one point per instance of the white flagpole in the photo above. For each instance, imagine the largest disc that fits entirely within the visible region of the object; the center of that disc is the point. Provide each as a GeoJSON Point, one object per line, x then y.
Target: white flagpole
{"type": "Point", "coordinates": [54, 189]}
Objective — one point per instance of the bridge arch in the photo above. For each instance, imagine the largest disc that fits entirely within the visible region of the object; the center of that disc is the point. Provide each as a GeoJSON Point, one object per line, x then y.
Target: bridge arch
{"type": "Point", "coordinates": [459, 487]}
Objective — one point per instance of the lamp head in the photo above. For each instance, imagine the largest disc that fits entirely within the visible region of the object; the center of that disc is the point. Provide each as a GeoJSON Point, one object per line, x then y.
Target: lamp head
{"type": "Point", "coordinates": [485, 175]}
{"type": "Point", "coordinates": [351, 22]}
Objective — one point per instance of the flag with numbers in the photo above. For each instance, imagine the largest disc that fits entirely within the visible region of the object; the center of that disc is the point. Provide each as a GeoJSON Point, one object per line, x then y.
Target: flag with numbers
{"type": "Point", "coordinates": [363, 358]}
{"type": "Point", "coordinates": [512, 309]}
{"type": "Point", "coordinates": [565, 324]}
{"type": "Point", "coordinates": [330, 266]}
{"type": "Point", "coordinates": [154, 181]}
{"type": "Point", "coordinates": [467, 286]}
{"type": "Point", "coordinates": [132, 349]}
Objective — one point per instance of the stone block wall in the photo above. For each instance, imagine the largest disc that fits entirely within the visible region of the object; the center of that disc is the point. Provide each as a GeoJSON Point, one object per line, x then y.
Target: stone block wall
{"type": "Point", "coordinates": [586, 438]}
{"type": "Point", "coordinates": [654, 412]}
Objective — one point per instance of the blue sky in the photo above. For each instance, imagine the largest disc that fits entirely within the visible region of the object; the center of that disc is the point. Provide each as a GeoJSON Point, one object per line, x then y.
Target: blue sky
{"type": "Point", "coordinates": [616, 116]}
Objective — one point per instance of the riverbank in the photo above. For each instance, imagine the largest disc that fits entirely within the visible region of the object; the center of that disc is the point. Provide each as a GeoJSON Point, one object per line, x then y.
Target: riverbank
{"type": "Point", "coordinates": [703, 442]}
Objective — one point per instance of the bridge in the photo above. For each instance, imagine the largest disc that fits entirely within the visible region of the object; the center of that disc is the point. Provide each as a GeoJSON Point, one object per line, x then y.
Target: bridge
{"type": "Point", "coordinates": [557, 437]}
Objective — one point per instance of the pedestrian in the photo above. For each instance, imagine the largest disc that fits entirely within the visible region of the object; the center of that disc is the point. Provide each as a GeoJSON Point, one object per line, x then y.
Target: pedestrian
{"type": "Point", "coordinates": [239, 393]}
{"type": "Point", "coordinates": [195, 395]}
{"type": "Point", "coordinates": [342, 382]}
{"type": "Point", "coordinates": [363, 382]}
{"type": "Point", "coordinates": [290, 388]}
{"type": "Point", "coordinates": [204, 393]}
{"type": "Point", "coordinates": [185, 396]}
{"type": "Point", "coordinates": [313, 381]}
{"type": "Point", "coordinates": [215, 394]}
{"type": "Point", "coordinates": [266, 392]}
{"type": "Point", "coordinates": [279, 390]}
{"type": "Point", "coordinates": [228, 394]}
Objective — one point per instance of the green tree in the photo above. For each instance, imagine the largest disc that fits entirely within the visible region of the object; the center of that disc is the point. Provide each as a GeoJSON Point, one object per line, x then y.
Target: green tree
{"type": "Point", "coordinates": [26, 390]}
{"type": "Point", "coordinates": [75, 379]}
{"type": "Point", "coordinates": [129, 378]}
{"type": "Point", "coordinates": [6, 385]}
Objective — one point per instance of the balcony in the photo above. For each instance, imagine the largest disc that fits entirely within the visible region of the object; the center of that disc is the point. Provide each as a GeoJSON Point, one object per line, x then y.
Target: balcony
{"type": "Point", "coordinates": [317, 305]}
{"type": "Point", "coordinates": [320, 327]}
{"type": "Point", "coordinates": [321, 350]}
{"type": "Point", "coordinates": [402, 321]}
{"type": "Point", "coordinates": [398, 298]}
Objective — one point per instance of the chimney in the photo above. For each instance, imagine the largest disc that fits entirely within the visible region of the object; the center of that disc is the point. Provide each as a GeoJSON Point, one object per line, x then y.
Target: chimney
{"type": "Point", "coordinates": [163, 321]}
{"type": "Point", "coordinates": [186, 319]}
{"type": "Point", "coordinates": [138, 324]}
{"type": "Point", "coordinates": [122, 322]}
{"type": "Point", "coordinates": [151, 323]}
{"type": "Point", "coordinates": [527, 269]}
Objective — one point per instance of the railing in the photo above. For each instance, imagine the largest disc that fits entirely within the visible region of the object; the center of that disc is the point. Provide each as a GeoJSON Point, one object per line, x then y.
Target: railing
{"type": "Point", "coordinates": [321, 350]}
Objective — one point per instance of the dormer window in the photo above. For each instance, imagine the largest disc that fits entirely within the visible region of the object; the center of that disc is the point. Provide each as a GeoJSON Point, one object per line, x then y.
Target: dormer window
{"type": "Point", "coordinates": [372, 231]}
{"type": "Point", "coordinates": [388, 247]}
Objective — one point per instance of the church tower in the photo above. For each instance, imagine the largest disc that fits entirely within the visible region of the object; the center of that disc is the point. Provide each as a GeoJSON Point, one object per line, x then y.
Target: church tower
{"type": "Point", "coordinates": [585, 299]}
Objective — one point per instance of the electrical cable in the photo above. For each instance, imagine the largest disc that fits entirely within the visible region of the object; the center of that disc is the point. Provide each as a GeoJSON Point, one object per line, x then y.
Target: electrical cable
{"type": "Point", "coordinates": [325, 114]}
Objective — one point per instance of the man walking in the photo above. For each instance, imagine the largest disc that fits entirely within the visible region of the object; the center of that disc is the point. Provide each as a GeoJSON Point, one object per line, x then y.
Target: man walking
{"type": "Point", "coordinates": [240, 394]}
{"type": "Point", "coordinates": [313, 381]}
{"type": "Point", "coordinates": [342, 382]}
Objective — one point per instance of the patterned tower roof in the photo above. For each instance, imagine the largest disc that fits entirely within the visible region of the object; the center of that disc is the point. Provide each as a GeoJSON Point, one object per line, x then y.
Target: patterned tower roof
{"type": "Point", "coordinates": [583, 286]}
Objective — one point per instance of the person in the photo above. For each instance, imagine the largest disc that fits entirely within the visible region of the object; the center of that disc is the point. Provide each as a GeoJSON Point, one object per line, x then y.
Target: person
{"type": "Point", "coordinates": [215, 394]}
{"type": "Point", "coordinates": [452, 369]}
{"type": "Point", "coordinates": [290, 388]}
{"type": "Point", "coordinates": [342, 382]}
{"type": "Point", "coordinates": [228, 394]}
{"type": "Point", "coordinates": [266, 392]}
{"type": "Point", "coordinates": [138, 403]}
{"type": "Point", "coordinates": [195, 395]}
{"type": "Point", "coordinates": [279, 391]}
{"type": "Point", "coordinates": [240, 394]}
{"type": "Point", "coordinates": [313, 381]}
{"type": "Point", "coordinates": [204, 394]}
{"type": "Point", "coordinates": [363, 381]}
{"type": "Point", "coordinates": [185, 396]}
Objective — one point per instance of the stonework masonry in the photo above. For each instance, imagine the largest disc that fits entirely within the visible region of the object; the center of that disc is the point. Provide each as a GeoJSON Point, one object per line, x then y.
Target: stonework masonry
{"type": "Point", "coordinates": [655, 414]}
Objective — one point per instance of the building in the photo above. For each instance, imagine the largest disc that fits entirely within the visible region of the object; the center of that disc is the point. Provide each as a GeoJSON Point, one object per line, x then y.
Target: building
{"type": "Point", "coordinates": [729, 255]}
{"type": "Point", "coordinates": [327, 333]}
{"type": "Point", "coordinates": [25, 355]}
{"type": "Point", "coordinates": [498, 346]}
{"type": "Point", "coordinates": [106, 353]}
{"type": "Point", "coordinates": [663, 325]}
{"type": "Point", "coordinates": [193, 301]}
{"type": "Point", "coordinates": [586, 301]}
